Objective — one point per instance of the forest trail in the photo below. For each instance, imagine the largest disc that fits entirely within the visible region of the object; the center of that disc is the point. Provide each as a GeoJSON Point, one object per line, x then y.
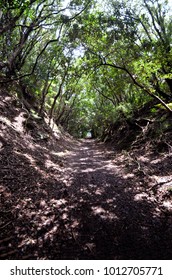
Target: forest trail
{"type": "Point", "coordinates": [89, 161]}
{"type": "Point", "coordinates": [67, 199]}
{"type": "Point", "coordinates": [70, 66]}
{"type": "Point", "coordinates": [111, 212]}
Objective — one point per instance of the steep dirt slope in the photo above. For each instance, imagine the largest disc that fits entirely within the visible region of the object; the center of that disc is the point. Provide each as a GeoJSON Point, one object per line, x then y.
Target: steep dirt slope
{"type": "Point", "coordinates": [31, 162]}
{"type": "Point", "coordinates": [67, 199]}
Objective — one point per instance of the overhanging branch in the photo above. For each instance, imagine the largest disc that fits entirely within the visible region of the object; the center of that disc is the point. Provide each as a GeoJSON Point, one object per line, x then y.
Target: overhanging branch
{"type": "Point", "coordinates": [123, 68]}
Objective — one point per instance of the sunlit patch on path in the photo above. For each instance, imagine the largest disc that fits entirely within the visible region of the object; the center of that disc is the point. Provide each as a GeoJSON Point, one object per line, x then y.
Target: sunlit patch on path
{"type": "Point", "coordinates": [107, 206]}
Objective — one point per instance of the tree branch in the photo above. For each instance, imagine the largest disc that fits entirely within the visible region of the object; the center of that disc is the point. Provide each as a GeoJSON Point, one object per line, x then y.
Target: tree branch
{"type": "Point", "coordinates": [123, 68]}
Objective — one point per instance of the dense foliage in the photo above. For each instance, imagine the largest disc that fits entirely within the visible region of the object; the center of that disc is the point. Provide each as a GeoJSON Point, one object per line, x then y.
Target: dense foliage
{"type": "Point", "coordinates": [87, 63]}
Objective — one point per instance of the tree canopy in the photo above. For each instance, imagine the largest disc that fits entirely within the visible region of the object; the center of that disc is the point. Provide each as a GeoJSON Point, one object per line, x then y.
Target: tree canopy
{"type": "Point", "coordinates": [87, 63]}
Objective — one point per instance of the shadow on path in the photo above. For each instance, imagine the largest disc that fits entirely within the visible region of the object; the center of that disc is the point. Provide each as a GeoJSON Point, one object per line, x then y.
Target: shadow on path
{"type": "Point", "coordinates": [109, 216]}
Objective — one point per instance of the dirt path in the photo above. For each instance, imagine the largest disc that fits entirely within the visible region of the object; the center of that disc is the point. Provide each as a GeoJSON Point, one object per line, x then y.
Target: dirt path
{"type": "Point", "coordinates": [63, 199]}
{"type": "Point", "coordinates": [87, 202]}
{"type": "Point", "coordinates": [111, 213]}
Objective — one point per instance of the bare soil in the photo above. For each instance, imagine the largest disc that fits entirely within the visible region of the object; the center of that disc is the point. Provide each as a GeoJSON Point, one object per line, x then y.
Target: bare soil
{"type": "Point", "coordinates": [67, 199]}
